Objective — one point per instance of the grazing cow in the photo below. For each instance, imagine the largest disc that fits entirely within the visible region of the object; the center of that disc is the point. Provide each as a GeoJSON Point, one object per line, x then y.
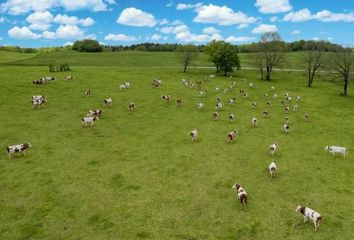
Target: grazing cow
{"type": "Point", "coordinates": [286, 109]}
{"type": "Point", "coordinates": [88, 121]}
{"type": "Point", "coordinates": [242, 92]}
{"type": "Point", "coordinates": [286, 128]}
{"type": "Point", "coordinates": [38, 82]}
{"type": "Point", "coordinates": [211, 76]}
{"type": "Point", "coordinates": [46, 79]}
{"type": "Point", "coordinates": [94, 113]}
{"type": "Point", "coordinates": [275, 96]}
{"type": "Point", "coordinates": [336, 149]}
{"type": "Point", "coordinates": [308, 213]}
{"type": "Point", "coordinates": [179, 102]}
{"type": "Point", "coordinates": [306, 117]}
{"type": "Point", "coordinates": [254, 122]}
{"type": "Point", "coordinates": [295, 108]}
{"type": "Point", "coordinates": [127, 84]}
{"type": "Point", "coordinates": [38, 102]}
{"type": "Point", "coordinates": [107, 102]}
{"type": "Point", "coordinates": [88, 93]}
{"type": "Point", "coordinates": [241, 194]}
{"type": "Point", "coordinates": [268, 103]}
{"type": "Point", "coordinates": [231, 136]}
{"type": "Point", "coordinates": [265, 113]}
{"type": "Point", "coordinates": [69, 77]}
{"type": "Point", "coordinates": [289, 99]}
{"type": "Point", "coordinates": [273, 148]}
{"type": "Point", "coordinates": [298, 98]}
{"type": "Point", "coordinates": [245, 95]}
{"type": "Point", "coordinates": [254, 104]}
{"type": "Point", "coordinates": [218, 99]}
{"type": "Point", "coordinates": [286, 120]}
{"type": "Point", "coordinates": [131, 106]}
{"type": "Point", "coordinates": [156, 83]}
{"type": "Point", "coordinates": [200, 106]}
{"type": "Point", "coordinates": [215, 115]}
{"type": "Point", "coordinates": [232, 117]}
{"type": "Point", "coordinates": [272, 168]}
{"type": "Point", "coordinates": [218, 106]}
{"type": "Point", "coordinates": [272, 88]}
{"type": "Point", "coordinates": [21, 148]}
{"type": "Point", "coordinates": [201, 93]}
{"type": "Point", "coordinates": [232, 101]}
{"type": "Point", "coordinates": [250, 85]}
{"type": "Point", "coordinates": [166, 98]}
{"type": "Point", "coordinates": [194, 134]}
{"type": "Point", "coordinates": [39, 97]}
{"type": "Point", "coordinates": [122, 87]}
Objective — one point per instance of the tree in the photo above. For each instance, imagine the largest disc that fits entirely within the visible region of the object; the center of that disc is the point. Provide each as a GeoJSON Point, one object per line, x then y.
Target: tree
{"type": "Point", "coordinates": [270, 50]}
{"type": "Point", "coordinates": [224, 55]}
{"type": "Point", "coordinates": [313, 63]}
{"type": "Point", "coordinates": [87, 45]}
{"type": "Point", "coordinates": [342, 63]}
{"type": "Point", "coordinates": [187, 54]}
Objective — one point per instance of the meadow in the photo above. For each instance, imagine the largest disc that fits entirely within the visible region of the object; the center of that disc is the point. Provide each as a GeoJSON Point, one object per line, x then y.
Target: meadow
{"type": "Point", "coordinates": [137, 175]}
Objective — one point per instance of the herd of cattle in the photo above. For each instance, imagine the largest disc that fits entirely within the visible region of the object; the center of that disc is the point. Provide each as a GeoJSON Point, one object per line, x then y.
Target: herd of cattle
{"type": "Point", "coordinates": [94, 115]}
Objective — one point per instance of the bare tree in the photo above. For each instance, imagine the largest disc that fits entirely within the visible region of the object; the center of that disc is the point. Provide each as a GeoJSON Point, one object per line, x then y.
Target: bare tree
{"type": "Point", "coordinates": [187, 53]}
{"type": "Point", "coordinates": [342, 63]}
{"type": "Point", "coordinates": [270, 53]}
{"type": "Point", "coordinates": [314, 61]}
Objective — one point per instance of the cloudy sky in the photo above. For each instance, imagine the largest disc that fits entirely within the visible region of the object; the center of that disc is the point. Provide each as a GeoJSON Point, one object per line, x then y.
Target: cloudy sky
{"type": "Point", "coordinates": [35, 23]}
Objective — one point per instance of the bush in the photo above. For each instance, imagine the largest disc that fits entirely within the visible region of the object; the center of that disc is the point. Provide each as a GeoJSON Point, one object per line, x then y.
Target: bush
{"type": "Point", "coordinates": [87, 45]}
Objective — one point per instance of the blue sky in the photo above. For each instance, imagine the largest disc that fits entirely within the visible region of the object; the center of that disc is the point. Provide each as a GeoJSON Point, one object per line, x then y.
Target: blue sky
{"type": "Point", "coordinates": [37, 23]}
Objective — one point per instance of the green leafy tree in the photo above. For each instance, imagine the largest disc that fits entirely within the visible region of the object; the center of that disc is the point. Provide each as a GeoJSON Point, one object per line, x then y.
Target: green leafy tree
{"type": "Point", "coordinates": [87, 45]}
{"type": "Point", "coordinates": [187, 54]}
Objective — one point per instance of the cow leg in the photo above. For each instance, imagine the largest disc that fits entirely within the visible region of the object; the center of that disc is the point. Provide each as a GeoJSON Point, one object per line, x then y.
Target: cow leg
{"type": "Point", "coordinates": [305, 219]}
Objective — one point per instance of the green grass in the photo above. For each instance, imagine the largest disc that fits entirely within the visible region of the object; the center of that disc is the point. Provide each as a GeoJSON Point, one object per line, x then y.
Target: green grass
{"type": "Point", "coordinates": [137, 175]}
{"type": "Point", "coordinates": [6, 56]}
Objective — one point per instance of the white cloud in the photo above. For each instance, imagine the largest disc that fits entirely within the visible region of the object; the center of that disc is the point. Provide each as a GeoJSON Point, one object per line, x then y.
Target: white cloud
{"type": "Point", "coordinates": [164, 21]}
{"type": "Point", "coordinates": [263, 28]}
{"type": "Point", "coordinates": [274, 19]}
{"type": "Point", "coordinates": [155, 37]}
{"type": "Point", "coordinates": [322, 16]}
{"type": "Point", "coordinates": [137, 18]}
{"type": "Point", "coordinates": [187, 36]}
{"type": "Point", "coordinates": [242, 26]}
{"type": "Point", "coordinates": [18, 7]}
{"type": "Point", "coordinates": [210, 30]}
{"type": "Point", "coordinates": [221, 16]}
{"type": "Point", "coordinates": [295, 32]}
{"type": "Point", "coordinates": [40, 20]}
{"type": "Point", "coordinates": [3, 19]}
{"type": "Point", "coordinates": [48, 35]}
{"type": "Point", "coordinates": [119, 37]}
{"type": "Point", "coordinates": [91, 36]}
{"type": "Point", "coordinates": [22, 33]}
{"type": "Point", "coordinates": [299, 16]}
{"type": "Point", "coordinates": [273, 6]}
{"type": "Point", "coordinates": [233, 39]}
{"type": "Point", "coordinates": [177, 22]}
{"type": "Point", "coordinates": [69, 32]}
{"type": "Point", "coordinates": [73, 20]}
{"type": "Point", "coordinates": [174, 29]}
{"type": "Point", "coordinates": [183, 6]}
{"type": "Point", "coordinates": [316, 39]}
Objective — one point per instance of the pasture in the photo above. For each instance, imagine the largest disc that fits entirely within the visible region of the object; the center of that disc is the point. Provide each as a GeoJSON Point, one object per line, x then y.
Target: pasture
{"type": "Point", "coordinates": [137, 175]}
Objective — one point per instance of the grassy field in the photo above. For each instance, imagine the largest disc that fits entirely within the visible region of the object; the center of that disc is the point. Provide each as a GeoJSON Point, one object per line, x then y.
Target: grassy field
{"type": "Point", "coordinates": [6, 56]}
{"type": "Point", "coordinates": [137, 175]}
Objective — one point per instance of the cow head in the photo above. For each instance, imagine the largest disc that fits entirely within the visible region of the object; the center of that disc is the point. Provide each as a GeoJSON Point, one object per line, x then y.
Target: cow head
{"type": "Point", "coordinates": [236, 186]}
{"type": "Point", "coordinates": [326, 148]}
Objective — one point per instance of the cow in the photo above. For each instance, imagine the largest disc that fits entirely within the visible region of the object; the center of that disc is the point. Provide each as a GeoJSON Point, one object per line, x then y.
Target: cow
{"type": "Point", "coordinates": [194, 134]}
{"type": "Point", "coordinates": [286, 128]}
{"type": "Point", "coordinates": [272, 88]}
{"type": "Point", "coordinates": [88, 93]}
{"type": "Point", "coordinates": [254, 122]}
{"type": "Point", "coordinates": [69, 77]}
{"type": "Point", "coordinates": [275, 96]}
{"type": "Point", "coordinates": [272, 168]}
{"type": "Point", "coordinates": [218, 106]}
{"type": "Point", "coordinates": [179, 102]}
{"type": "Point", "coordinates": [286, 120]}
{"type": "Point", "coordinates": [295, 108]}
{"type": "Point", "coordinates": [273, 148]}
{"type": "Point", "coordinates": [125, 85]}
{"type": "Point", "coordinates": [88, 121]}
{"type": "Point", "coordinates": [94, 113]}
{"type": "Point", "coordinates": [232, 101]}
{"type": "Point", "coordinates": [308, 213]}
{"type": "Point", "coordinates": [107, 102]}
{"type": "Point", "coordinates": [131, 106]}
{"type": "Point", "coordinates": [298, 98]}
{"type": "Point", "coordinates": [39, 97]}
{"type": "Point", "coordinates": [156, 83]}
{"type": "Point", "coordinates": [166, 98]}
{"type": "Point", "coordinates": [336, 149]}
{"type": "Point", "coordinates": [286, 109]}
{"type": "Point", "coordinates": [201, 93]}
{"type": "Point", "coordinates": [232, 117]}
{"type": "Point", "coordinates": [46, 79]}
{"type": "Point", "coordinates": [265, 113]}
{"type": "Point", "coordinates": [241, 194]}
{"type": "Point", "coordinates": [21, 148]}
{"type": "Point", "coordinates": [268, 103]}
{"type": "Point", "coordinates": [200, 106]}
{"type": "Point", "coordinates": [215, 115]}
{"type": "Point", "coordinates": [231, 136]}
{"type": "Point", "coordinates": [289, 99]}
{"type": "Point", "coordinates": [250, 85]}
{"type": "Point", "coordinates": [265, 95]}
{"type": "Point", "coordinates": [38, 102]}
{"type": "Point", "coordinates": [254, 104]}
{"type": "Point", "coordinates": [37, 82]}
{"type": "Point", "coordinates": [306, 117]}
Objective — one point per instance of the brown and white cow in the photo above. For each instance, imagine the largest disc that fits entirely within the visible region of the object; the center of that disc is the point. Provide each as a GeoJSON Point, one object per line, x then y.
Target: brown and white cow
{"type": "Point", "coordinates": [308, 213]}
{"type": "Point", "coordinates": [265, 113]}
{"type": "Point", "coordinates": [231, 136]}
{"type": "Point", "coordinates": [88, 121]}
{"type": "Point", "coordinates": [273, 148]}
{"type": "Point", "coordinates": [94, 113]}
{"type": "Point", "coordinates": [254, 122]}
{"type": "Point", "coordinates": [107, 102]}
{"type": "Point", "coordinates": [69, 77]}
{"type": "Point", "coordinates": [156, 83]}
{"type": "Point", "coordinates": [215, 115]}
{"type": "Point", "coordinates": [88, 93]}
{"type": "Point", "coordinates": [286, 127]}
{"type": "Point", "coordinates": [166, 98]}
{"type": "Point", "coordinates": [38, 100]}
{"type": "Point", "coordinates": [194, 134]}
{"type": "Point", "coordinates": [21, 148]}
{"type": "Point", "coordinates": [232, 117]}
{"type": "Point", "coordinates": [241, 194]}
{"type": "Point", "coordinates": [272, 168]}
{"type": "Point", "coordinates": [131, 106]}
{"type": "Point", "coordinates": [179, 102]}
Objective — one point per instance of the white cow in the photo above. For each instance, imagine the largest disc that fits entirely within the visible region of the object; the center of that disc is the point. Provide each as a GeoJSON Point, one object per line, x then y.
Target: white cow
{"type": "Point", "coordinates": [200, 106]}
{"type": "Point", "coordinates": [273, 148]}
{"type": "Point", "coordinates": [272, 168]}
{"type": "Point", "coordinates": [107, 102]}
{"type": "Point", "coordinates": [21, 148]}
{"type": "Point", "coordinates": [194, 134]}
{"type": "Point", "coordinates": [88, 121]}
{"type": "Point", "coordinates": [308, 213]}
{"type": "Point", "coordinates": [254, 122]}
{"type": "Point", "coordinates": [336, 149]}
